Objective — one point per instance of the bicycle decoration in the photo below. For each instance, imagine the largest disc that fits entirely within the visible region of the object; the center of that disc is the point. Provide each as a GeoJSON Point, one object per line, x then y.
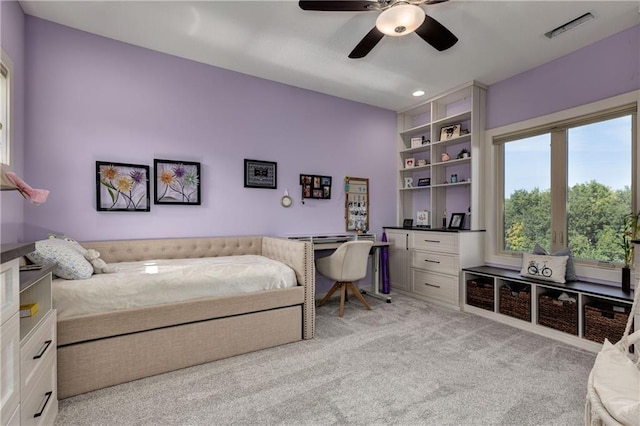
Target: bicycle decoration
{"type": "Point", "coordinates": [546, 268]}
{"type": "Point", "coordinates": [534, 269]}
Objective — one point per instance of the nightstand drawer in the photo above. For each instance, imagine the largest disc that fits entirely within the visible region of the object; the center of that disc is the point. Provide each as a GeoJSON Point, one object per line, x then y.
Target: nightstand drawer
{"type": "Point", "coordinates": [436, 286]}
{"type": "Point", "coordinates": [436, 262]}
{"type": "Point", "coordinates": [436, 241]}
{"type": "Point", "coordinates": [40, 405]}
{"type": "Point", "coordinates": [36, 351]}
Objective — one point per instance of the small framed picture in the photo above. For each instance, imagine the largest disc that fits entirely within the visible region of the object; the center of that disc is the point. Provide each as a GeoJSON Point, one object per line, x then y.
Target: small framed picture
{"type": "Point", "coordinates": [424, 181]}
{"type": "Point", "coordinates": [456, 221]}
{"type": "Point", "coordinates": [260, 174]}
{"type": "Point", "coordinates": [450, 132]}
{"type": "Point", "coordinates": [407, 223]}
{"type": "Point", "coordinates": [409, 162]}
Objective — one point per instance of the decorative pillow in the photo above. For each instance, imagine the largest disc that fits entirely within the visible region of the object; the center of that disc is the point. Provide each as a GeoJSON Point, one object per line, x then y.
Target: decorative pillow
{"type": "Point", "coordinates": [547, 268]}
{"type": "Point", "coordinates": [570, 275]}
{"type": "Point", "coordinates": [68, 257]}
{"type": "Point", "coordinates": [616, 380]}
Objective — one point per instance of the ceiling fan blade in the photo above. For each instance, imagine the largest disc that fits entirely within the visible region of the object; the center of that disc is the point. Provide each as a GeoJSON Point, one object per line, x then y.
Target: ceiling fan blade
{"type": "Point", "coordinates": [436, 34]}
{"type": "Point", "coordinates": [434, 1]}
{"type": "Point", "coordinates": [366, 44]}
{"type": "Point", "coordinates": [339, 5]}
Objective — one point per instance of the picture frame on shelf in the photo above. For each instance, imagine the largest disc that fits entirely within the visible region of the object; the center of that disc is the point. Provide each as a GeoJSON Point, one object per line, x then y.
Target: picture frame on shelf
{"type": "Point", "coordinates": [450, 132]}
{"type": "Point", "coordinates": [457, 221]}
{"type": "Point", "coordinates": [424, 181]}
{"type": "Point", "coordinates": [260, 174]}
{"type": "Point", "coordinates": [409, 163]}
{"type": "Point", "coordinates": [122, 187]}
{"type": "Point", "coordinates": [176, 182]}
{"type": "Point", "coordinates": [407, 223]}
{"type": "Point", "coordinates": [416, 142]}
{"type": "Point", "coordinates": [423, 218]}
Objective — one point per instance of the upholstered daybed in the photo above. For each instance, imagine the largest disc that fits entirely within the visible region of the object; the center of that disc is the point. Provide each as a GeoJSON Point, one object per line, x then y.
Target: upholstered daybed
{"type": "Point", "coordinates": [97, 350]}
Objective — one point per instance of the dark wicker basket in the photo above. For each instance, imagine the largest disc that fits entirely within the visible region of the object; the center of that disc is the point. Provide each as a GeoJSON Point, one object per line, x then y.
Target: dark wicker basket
{"type": "Point", "coordinates": [516, 302]}
{"type": "Point", "coordinates": [558, 314]}
{"type": "Point", "coordinates": [480, 293]}
{"type": "Point", "coordinates": [600, 321]}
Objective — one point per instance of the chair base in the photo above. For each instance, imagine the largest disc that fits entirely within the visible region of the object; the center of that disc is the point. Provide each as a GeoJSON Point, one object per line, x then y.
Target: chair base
{"type": "Point", "coordinates": [343, 295]}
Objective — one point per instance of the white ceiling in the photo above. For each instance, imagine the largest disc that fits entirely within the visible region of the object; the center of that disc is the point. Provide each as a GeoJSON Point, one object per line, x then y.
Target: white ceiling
{"type": "Point", "coordinates": [278, 41]}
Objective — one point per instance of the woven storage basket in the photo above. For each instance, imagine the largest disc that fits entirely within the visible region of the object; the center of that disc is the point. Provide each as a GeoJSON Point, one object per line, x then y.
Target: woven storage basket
{"type": "Point", "coordinates": [558, 314]}
{"type": "Point", "coordinates": [600, 321]}
{"type": "Point", "coordinates": [516, 302]}
{"type": "Point", "coordinates": [480, 293]}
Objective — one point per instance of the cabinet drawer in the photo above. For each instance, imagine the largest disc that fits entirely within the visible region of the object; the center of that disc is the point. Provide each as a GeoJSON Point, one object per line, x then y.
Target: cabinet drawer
{"type": "Point", "coordinates": [9, 367]}
{"type": "Point", "coordinates": [435, 241]}
{"type": "Point", "coordinates": [9, 289]}
{"type": "Point", "coordinates": [443, 288]}
{"type": "Point", "coordinates": [436, 262]}
{"type": "Point", "coordinates": [37, 350]}
{"type": "Point", "coordinates": [40, 405]}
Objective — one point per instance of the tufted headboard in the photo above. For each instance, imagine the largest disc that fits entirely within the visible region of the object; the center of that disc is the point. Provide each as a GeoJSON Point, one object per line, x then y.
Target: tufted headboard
{"type": "Point", "coordinates": [174, 248]}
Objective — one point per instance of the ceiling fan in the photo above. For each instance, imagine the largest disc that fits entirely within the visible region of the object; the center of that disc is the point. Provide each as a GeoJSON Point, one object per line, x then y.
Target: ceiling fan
{"type": "Point", "coordinates": [398, 18]}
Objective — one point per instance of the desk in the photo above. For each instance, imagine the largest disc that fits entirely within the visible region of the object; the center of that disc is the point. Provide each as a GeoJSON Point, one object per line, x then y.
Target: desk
{"type": "Point", "coordinates": [375, 265]}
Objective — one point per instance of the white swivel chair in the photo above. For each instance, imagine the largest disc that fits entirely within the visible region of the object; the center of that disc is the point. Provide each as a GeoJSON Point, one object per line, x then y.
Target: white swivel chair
{"type": "Point", "coordinates": [346, 265]}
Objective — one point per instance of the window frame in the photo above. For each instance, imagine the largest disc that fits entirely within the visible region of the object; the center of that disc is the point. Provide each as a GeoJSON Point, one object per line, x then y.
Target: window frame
{"type": "Point", "coordinates": [7, 64]}
{"type": "Point", "coordinates": [574, 117]}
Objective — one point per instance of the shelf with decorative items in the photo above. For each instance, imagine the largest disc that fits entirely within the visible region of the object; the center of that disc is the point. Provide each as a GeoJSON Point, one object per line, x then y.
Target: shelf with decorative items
{"type": "Point", "coordinates": [439, 147]}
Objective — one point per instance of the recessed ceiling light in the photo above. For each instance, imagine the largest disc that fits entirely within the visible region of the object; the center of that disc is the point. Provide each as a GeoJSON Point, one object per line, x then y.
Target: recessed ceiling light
{"type": "Point", "coordinates": [570, 25]}
{"type": "Point", "coordinates": [418, 93]}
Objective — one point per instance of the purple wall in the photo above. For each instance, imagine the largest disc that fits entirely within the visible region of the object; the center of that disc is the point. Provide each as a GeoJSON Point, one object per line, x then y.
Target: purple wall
{"type": "Point", "coordinates": [604, 69]}
{"type": "Point", "coordinates": [12, 40]}
{"type": "Point", "coordinates": [92, 98]}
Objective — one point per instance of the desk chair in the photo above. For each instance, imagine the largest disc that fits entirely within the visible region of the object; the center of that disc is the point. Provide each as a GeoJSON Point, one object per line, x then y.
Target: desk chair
{"type": "Point", "coordinates": [346, 265]}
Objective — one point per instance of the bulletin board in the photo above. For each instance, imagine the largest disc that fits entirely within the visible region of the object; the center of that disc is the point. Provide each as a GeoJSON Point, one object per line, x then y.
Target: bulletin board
{"type": "Point", "coordinates": [356, 204]}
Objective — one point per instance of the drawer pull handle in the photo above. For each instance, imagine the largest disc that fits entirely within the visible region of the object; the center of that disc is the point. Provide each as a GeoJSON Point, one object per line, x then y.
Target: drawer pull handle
{"type": "Point", "coordinates": [432, 241]}
{"type": "Point", "coordinates": [46, 401]}
{"type": "Point", "coordinates": [43, 350]}
{"type": "Point", "coordinates": [432, 285]}
{"type": "Point", "coordinates": [432, 261]}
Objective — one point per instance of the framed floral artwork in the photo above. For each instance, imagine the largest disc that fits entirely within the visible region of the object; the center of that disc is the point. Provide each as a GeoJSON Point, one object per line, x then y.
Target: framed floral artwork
{"type": "Point", "coordinates": [122, 187]}
{"type": "Point", "coordinates": [177, 182]}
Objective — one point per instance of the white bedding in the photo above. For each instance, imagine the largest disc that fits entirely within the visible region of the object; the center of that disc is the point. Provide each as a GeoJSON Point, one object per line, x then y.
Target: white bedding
{"type": "Point", "coordinates": [153, 282]}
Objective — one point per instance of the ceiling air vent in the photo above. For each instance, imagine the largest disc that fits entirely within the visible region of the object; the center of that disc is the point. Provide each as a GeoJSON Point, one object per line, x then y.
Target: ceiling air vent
{"type": "Point", "coordinates": [570, 25]}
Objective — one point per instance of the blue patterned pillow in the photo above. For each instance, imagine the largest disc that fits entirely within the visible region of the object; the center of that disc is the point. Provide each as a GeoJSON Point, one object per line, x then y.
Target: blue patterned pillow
{"type": "Point", "coordinates": [68, 257]}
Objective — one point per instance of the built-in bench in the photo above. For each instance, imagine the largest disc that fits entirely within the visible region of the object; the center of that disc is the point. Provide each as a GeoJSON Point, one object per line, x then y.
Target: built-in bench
{"type": "Point", "coordinates": [579, 312]}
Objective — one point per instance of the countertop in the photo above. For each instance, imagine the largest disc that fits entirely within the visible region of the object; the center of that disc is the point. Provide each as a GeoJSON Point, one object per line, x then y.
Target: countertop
{"type": "Point", "coordinates": [15, 250]}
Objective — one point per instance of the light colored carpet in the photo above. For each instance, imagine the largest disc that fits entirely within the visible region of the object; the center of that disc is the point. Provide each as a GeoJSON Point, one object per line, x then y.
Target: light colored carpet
{"type": "Point", "coordinates": [405, 363]}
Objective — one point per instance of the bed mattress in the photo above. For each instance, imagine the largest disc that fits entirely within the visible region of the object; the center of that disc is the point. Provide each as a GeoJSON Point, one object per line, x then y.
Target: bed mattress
{"type": "Point", "coordinates": [154, 282]}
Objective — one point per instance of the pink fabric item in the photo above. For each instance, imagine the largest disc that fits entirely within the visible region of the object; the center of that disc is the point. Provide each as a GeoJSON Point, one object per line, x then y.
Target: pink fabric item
{"type": "Point", "coordinates": [36, 196]}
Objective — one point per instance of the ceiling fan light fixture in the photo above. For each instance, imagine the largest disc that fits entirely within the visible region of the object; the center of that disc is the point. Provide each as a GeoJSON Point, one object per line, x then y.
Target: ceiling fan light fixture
{"type": "Point", "coordinates": [400, 20]}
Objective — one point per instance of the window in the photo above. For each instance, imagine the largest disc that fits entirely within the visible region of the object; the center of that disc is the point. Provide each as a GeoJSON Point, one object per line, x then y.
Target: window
{"type": "Point", "coordinates": [569, 183]}
{"type": "Point", "coordinates": [5, 109]}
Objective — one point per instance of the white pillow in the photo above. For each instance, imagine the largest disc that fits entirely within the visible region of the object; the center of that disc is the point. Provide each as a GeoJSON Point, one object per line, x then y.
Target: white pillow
{"type": "Point", "coordinates": [68, 257]}
{"type": "Point", "coordinates": [617, 381]}
{"type": "Point", "coordinates": [546, 268]}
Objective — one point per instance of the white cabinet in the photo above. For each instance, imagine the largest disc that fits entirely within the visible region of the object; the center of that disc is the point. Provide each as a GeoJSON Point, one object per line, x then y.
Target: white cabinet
{"type": "Point", "coordinates": [28, 384]}
{"type": "Point", "coordinates": [430, 262]}
{"type": "Point", "coordinates": [398, 259]}
{"type": "Point", "coordinates": [9, 341]}
{"type": "Point", "coordinates": [438, 170]}
{"type": "Point", "coordinates": [577, 312]}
